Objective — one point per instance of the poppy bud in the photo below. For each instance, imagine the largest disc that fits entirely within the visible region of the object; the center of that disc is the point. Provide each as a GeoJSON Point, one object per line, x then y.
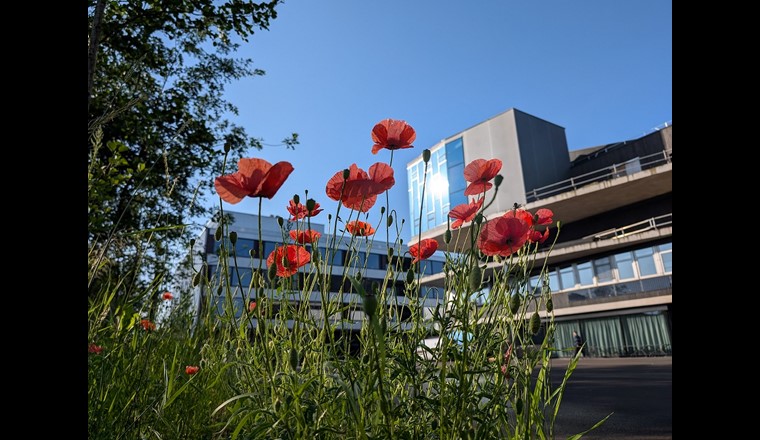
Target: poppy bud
{"type": "Point", "coordinates": [497, 180]}
{"type": "Point", "coordinates": [227, 147]}
{"type": "Point", "coordinates": [390, 220]}
{"type": "Point", "coordinates": [346, 173]}
{"type": "Point", "coordinates": [549, 305]}
{"type": "Point", "coordinates": [218, 233]}
{"type": "Point", "coordinates": [192, 242]}
{"type": "Point", "coordinates": [369, 303]}
{"type": "Point", "coordinates": [358, 276]}
{"type": "Point", "coordinates": [447, 236]}
{"type": "Point", "coordinates": [479, 218]}
{"type": "Point", "coordinates": [410, 276]}
{"type": "Point", "coordinates": [219, 291]}
{"type": "Point", "coordinates": [280, 220]}
{"type": "Point", "coordinates": [272, 272]}
{"type": "Point", "coordinates": [535, 323]}
{"type": "Point", "coordinates": [514, 303]}
{"type": "Point", "coordinates": [233, 237]}
{"type": "Point", "coordinates": [382, 210]}
{"type": "Point", "coordinates": [293, 358]}
{"type": "Point", "coordinates": [475, 278]}
{"type": "Point", "coordinates": [426, 155]}
{"type": "Point", "coordinates": [252, 253]}
{"type": "Point", "coordinates": [196, 279]}
{"type": "Point", "coordinates": [314, 255]}
{"type": "Point", "coordinates": [296, 199]}
{"type": "Point", "coordinates": [310, 205]}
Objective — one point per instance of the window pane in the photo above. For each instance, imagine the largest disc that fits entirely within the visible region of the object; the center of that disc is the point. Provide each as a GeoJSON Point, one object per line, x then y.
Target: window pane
{"type": "Point", "coordinates": [456, 178]}
{"type": "Point", "coordinates": [553, 281]}
{"type": "Point", "coordinates": [374, 261]}
{"type": "Point", "coordinates": [603, 270]}
{"type": "Point", "coordinates": [645, 259]}
{"type": "Point", "coordinates": [245, 276]}
{"type": "Point", "coordinates": [456, 198]}
{"type": "Point", "coordinates": [585, 274]}
{"type": "Point", "coordinates": [667, 261]}
{"type": "Point", "coordinates": [454, 154]}
{"type": "Point", "coordinates": [567, 277]}
{"type": "Point", "coordinates": [268, 248]}
{"type": "Point", "coordinates": [624, 262]}
{"type": "Point", "coordinates": [243, 246]}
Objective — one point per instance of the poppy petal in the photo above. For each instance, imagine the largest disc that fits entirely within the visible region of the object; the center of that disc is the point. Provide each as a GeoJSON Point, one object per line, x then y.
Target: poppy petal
{"type": "Point", "coordinates": [477, 188]}
{"type": "Point", "coordinates": [229, 188]}
{"type": "Point", "coordinates": [274, 179]}
{"type": "Point", "coordinates": [382, 175]}
{"type": "Point", "coordinates": [252, 172]}
{"type": "Point", "coordinates": [472, 171]}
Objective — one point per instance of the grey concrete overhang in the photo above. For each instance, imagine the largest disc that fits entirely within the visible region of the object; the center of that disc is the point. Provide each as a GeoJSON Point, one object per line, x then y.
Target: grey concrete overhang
{"type": "Point", "coordinates": [586, 201]}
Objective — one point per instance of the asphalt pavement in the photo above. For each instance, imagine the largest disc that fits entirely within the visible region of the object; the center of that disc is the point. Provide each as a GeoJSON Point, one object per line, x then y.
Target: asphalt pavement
{"type": "Point", "coordinates": [637, 391]}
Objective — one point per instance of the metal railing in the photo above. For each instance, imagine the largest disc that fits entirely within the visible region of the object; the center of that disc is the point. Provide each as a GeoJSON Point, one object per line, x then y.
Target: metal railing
{"type": "Point", "coordinates": [610, 172]}
{"type": "Point", "coordinates": [620, 289]}
{"type": "Point", "coordinates": [634, 228]}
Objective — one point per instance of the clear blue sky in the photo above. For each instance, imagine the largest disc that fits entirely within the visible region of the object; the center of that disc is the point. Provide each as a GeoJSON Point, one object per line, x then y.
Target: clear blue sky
{"type": "Point", "coordinates": [334, 68]}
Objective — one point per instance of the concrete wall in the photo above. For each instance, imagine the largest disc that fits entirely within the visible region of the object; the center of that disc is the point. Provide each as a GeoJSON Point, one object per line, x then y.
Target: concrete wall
{"type": "Point", "coordinates": [497, 138]}
{"type": "Point", "coordinates": [543, 151]}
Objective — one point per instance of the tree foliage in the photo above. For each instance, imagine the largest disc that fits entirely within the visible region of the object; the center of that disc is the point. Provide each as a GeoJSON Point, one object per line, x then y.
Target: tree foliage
{"type": "Point", "coordinates": [158, 120]}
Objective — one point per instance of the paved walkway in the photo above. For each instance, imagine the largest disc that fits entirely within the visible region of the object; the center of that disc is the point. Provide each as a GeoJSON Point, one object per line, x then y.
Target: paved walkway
{"type": "Point", "coordinates": [638, 391]}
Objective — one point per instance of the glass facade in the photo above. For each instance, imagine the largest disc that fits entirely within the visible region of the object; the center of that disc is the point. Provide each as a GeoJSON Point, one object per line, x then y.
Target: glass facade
{"type": "Point", "coordinates": [444, 186]}
{"type": "Point", "coordinates": [615, 269]}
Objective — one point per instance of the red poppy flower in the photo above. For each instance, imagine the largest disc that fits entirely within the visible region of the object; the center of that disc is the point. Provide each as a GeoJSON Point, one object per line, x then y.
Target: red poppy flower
{"type": "Point", "coordinates": [288, 259]}
{"type": "Point", "coordinates": [147, 325]}
{"type": "Point", "coordinates": [254, 178]}
{"type": "Point", "coordinates": [191, 369]}
{"type": "Point", "coordinates": [544, 216]}
{"type": "Point", "coordinates": [167, 296]}
{"type": "Point", "coordinates": [536, 236]}
{"type": "Point", "coordinates": [93, 348]}
{"type": "Point", "coordinates": [299, 211]}
{"type": "Point", "coordinates": [503, 236]}
{"type": "Point", "coordinates": [305, 237]}
{"type": "Point", "coordinates": [521, 214]}
{"type": "Point", "coordinates": [478, 173]}
{"type": "Point", "coordinates": [392, 134]}
{"type": "Point", "coordinates": [252, 306]}
{"type": "Point", "coordinates": [361, 189]}
{"type": "Point", "coordinates": [465, 212]}
{"type": "Point", "coordinates": [360, 228]}
{"type": "Point", "coordinates": [423, 250]}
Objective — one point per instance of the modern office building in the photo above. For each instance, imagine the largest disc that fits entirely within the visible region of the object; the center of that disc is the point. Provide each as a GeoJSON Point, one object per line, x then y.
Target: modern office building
{"type": "Point", "coordinates": [371, 257]}
{"type": "Point", "coordinates": [610, 270]}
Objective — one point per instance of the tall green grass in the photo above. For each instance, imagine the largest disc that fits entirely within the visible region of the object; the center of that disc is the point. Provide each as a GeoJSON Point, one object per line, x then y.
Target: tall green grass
{"type": "Point", "coordinates": [268, 381]}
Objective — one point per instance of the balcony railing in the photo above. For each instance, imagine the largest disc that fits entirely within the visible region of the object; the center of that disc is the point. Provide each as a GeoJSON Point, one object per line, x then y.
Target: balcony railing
{"type": "Point", "coordinates": [621, 289]}
{"type": "Point", "coordinates": [634, 228]}
{"type": "Point", "coordinates": [602, 174]}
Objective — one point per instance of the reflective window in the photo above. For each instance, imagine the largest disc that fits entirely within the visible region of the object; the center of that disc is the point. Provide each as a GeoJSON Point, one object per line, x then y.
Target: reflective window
{"type": "Point", "coordinates": [624, 263]}
{"type": "Point", "coordinates": [373, 262]}
{"type": "Point", "coordinates": [567, 277]}
{"type": "Point", "coordinates": [603, 270]}
{"type": "Point", "coordinates": [456, 178]}
{"type": "Point", "coordinates": [454, 153]}
{"type": "Point", "coordinates": [585, 274]}
{"type": "Point", "coordinates": [645, 260]}
{"type": "Point", "coordinates": [666, 254]}
{"type": "Point", "coordinates": [240, 276]}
